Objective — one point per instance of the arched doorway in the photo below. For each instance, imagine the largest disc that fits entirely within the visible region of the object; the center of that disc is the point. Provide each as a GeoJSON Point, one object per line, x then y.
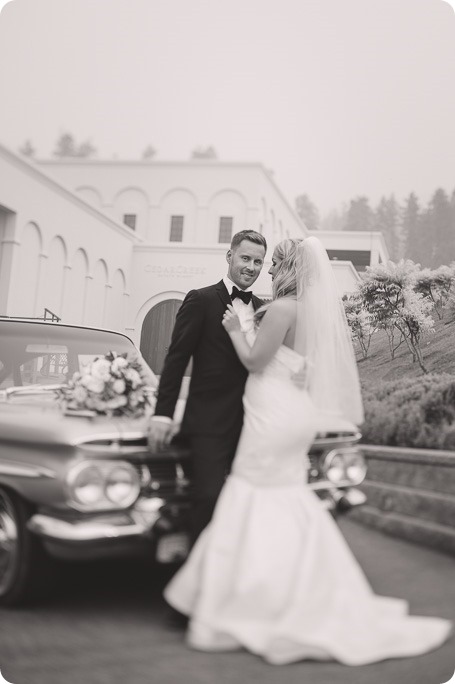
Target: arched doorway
{"type": "Point", "coordinates": [156, 333]}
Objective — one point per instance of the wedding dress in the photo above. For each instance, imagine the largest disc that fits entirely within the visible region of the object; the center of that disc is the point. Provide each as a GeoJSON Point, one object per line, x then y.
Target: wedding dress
{"type": "Point", "coordinates": [272, 573]}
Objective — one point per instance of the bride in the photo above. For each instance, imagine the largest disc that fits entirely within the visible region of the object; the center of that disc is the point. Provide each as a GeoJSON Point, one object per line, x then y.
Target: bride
{"type": "Point", "coordinates": [271, 572]}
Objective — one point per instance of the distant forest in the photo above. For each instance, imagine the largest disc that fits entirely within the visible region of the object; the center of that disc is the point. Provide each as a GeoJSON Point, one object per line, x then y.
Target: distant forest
{"type": "Point", "coordinates": [424, 234]}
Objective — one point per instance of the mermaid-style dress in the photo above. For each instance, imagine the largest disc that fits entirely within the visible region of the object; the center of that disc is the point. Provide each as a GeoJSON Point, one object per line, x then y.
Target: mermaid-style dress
{"type": "Point", "coordinates": [271, 572]}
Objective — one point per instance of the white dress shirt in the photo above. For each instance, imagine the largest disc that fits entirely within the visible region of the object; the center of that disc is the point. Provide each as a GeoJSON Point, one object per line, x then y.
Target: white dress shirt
{"type": "Point", "coordinates": [245, 312]}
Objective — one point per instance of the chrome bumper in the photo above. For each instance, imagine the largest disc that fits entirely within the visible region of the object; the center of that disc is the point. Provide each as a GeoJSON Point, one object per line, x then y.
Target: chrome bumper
{"type": "Point", "coordinates": [136, 522]}
{"type": "Point", "coordinates": [342, 500]}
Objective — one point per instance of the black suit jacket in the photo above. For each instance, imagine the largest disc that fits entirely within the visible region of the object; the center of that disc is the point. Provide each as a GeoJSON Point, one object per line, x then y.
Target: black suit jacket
{"type": "Point", "coordinates": [214, 404]}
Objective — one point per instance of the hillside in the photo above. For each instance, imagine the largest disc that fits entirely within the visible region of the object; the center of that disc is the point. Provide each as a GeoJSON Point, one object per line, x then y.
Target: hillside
{"type": "Point", "coordinates": [438, 351]}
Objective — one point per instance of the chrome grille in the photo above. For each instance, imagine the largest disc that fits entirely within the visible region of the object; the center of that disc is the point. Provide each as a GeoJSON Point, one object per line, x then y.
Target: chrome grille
{"type": "Point", "coordinates": [165, 477]}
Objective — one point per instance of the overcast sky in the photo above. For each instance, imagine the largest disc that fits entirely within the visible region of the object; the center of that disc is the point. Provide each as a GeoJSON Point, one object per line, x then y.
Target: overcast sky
{"type": "Point", "coordinates": [338, 97]}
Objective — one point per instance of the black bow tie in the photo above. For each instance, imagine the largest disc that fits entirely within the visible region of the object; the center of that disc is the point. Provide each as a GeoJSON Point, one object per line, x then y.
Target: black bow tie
{"type": "Point", "coordinates": [241, 294]}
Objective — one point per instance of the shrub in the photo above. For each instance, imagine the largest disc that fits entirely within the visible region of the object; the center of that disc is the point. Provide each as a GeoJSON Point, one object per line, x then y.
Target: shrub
{"type": "Point", "coordinates": [411, 412]}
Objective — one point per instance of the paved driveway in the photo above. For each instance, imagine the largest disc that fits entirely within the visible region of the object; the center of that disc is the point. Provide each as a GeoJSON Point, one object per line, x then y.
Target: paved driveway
{"type": "Point", "coordinates": [106, 624]}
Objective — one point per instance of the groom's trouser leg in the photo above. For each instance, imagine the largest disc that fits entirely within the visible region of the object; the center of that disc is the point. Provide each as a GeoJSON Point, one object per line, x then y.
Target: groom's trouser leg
{"type": "Point", "coordinates": [212, 458]}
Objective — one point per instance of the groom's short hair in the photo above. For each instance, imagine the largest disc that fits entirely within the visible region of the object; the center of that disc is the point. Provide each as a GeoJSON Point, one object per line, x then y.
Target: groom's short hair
{"type": "Point", "coordinates": [251, 235]}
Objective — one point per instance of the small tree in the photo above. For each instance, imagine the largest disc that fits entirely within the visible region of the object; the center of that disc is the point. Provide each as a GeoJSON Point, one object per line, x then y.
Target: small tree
{"type": "Point", "coordinates": [85, 149]}
{"type": "Point", "coordinates": [65, 146]}
{"type": "Point", "coordinates": [436, 286]}
{"type": "Point", "coordinates": [27, 149]}
{"type": "Point", "coordinates": [149, 152]}
{"type": "Point", "coordinates": [388, 294]}
{"type": "Point", "coordinates": [360, 322]}
{"type": "Point", "coordinates": [204, 153]}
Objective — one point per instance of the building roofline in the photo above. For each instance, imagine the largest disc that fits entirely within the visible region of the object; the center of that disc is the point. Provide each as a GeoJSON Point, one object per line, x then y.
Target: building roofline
{"type": "Point", "coordinates": [65, 192]}
{"type": "Point", "coordinates": [185, 163]}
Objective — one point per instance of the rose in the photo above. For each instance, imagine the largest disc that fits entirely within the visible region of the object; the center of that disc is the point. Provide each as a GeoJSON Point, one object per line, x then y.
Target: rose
{"type": "Point", "coordinates": [118, 363]}
{"type": "Point", "coordinates": [80, 394]}
{"type": "Point", "coordinates": [101, 369]}
{"type": "Point", "coordinates": [116, 402]}
{"type": "Point", "coordinates": [119, 386]}
{"type": "Point", "coordinates": [94, 384]}
{"type": "Point", "coordinates": [134, 377]}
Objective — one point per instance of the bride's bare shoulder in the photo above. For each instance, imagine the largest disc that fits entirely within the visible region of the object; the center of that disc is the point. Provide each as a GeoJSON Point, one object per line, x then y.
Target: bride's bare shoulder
{"type": "Point", "coordinates": [286, 306]}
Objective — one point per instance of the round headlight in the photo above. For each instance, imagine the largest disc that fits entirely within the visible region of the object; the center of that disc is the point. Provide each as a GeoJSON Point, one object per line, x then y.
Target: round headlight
{"type": "Point", "coordinates": [87, 486]}
{"type": "Point", "coordinates": [334, 468]}
{"type": "Point", "coordinates": [122, 485]}
{"type": "Point", "coordinates": [102, 485]}
{"type": "Point", "coordinates": [356, 468]}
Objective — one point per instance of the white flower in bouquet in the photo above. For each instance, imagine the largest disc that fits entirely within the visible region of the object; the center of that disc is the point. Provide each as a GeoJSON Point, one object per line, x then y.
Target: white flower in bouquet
{"type": "Point", "coordinates": [95, 384]}
{"type": "Point", "coordinates": [134, 377]}
{"type": "Point", "coordinates": [118, 363]}
{"type": "Point", "coordinates": [134, 399]}
{"type": "Point", "coordinates": [117, 402]}
{"type": "Point", "coordinates": [101, 368]}
{"type": "Point", "coordinates": [119, 386]}
{"type": "Point", "coordinates": [80, 394]}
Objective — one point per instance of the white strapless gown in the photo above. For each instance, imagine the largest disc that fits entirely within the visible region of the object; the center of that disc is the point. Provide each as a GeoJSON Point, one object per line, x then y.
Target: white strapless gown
{"type": "Point", "coordinates": [272, 572]}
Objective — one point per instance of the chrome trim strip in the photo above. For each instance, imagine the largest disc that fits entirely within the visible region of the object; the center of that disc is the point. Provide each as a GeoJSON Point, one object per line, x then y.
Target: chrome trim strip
{"type": "Point", "coordinates": [328, 441]}
{"type": "Point", "coordinates": [114, 448]}
{"type": "Point", "coordinates": [62, 530]}
{"type": "Point", "coordinates": [29, 390]}
{"type": "Point", "coordinates": [113, 436]}
{"type": "Point", "coordinates": [329, 486]}
{"type": "Point", "coordinates": [16, 470]}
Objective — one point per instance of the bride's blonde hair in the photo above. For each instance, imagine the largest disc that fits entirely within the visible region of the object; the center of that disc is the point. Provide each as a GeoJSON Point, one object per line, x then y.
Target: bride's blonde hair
{"type": "Point", "coordinates": [285, 280]}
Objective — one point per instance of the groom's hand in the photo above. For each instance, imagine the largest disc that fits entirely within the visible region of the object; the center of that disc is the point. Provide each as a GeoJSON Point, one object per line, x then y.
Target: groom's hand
{"type": "Point", "coordinates": [159, 434]}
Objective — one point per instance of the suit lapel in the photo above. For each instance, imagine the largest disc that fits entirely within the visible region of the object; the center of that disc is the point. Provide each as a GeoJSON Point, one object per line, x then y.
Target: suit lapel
{"type": "Point", "coordinates": [257, 303]}
{"type": "Point", "coordinates": [223, 293]}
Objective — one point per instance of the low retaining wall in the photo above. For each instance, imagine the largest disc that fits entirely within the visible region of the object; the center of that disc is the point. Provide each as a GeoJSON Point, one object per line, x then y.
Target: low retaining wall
{"type": "Point", "coordinates": [411, 494]}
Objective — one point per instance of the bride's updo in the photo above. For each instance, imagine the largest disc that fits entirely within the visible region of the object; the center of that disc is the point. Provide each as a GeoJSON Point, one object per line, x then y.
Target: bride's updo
{"type": "Point", "coordinates": [285, 280]}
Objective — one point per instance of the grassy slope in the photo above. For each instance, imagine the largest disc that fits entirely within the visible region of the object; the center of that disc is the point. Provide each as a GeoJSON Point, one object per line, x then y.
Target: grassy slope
{"type": "Point", "coordinates": [438, 350]}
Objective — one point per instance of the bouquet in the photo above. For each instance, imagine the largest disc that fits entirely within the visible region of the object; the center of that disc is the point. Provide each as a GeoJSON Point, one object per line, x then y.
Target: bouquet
{"type": "Point", "coordinates": [112, 385]}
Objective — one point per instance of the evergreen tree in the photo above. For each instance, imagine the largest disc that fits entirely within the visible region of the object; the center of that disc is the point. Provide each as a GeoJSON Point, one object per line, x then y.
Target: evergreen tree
{"type": "Point", "coordinates": [65, 146]}
{"type": "Point", "coordinates": [307, 211]}
{"type": "Point", "coordinates": [204, 153]}
{"type": "Point", "coordinates": [386, 222]}
{"type": "Point", "coordinates": [85, 149]}
{"type": "Point", "coordinates": [442, 229]}
{"type": "Point", "coordinates": [360, 215]}
{"type": "Point", "coordinates": [27, 149]}
{"type": "Point", "coordinates": [409, 228]}
{"type": "Point", "coordinates": [149, 152]}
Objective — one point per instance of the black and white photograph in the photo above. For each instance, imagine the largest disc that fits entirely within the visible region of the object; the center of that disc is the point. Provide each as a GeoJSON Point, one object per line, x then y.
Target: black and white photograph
{"type": "Point", "coordinates": [227, 341]}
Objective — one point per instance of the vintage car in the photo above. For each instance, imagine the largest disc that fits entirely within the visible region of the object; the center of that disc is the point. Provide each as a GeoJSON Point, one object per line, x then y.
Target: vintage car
{"type": "Point", "coordinates": [79, 485]}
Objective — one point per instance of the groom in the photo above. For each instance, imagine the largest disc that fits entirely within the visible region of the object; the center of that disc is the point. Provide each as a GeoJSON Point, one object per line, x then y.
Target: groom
{"type": "Point", "coordinates": [213, 416]}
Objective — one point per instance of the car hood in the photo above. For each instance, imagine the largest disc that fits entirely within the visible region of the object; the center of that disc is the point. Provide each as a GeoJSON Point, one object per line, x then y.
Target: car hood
{"type": "Point", "coordinates": [45, 422]}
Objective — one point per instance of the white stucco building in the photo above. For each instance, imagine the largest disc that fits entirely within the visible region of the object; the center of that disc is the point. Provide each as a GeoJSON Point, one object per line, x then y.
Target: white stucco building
{"type": "Point", "coordinates": [118, 244]}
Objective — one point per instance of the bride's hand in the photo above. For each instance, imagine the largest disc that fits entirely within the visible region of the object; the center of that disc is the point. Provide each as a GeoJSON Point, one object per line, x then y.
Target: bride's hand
{"type": "Point", "coordinates": [231, 321]}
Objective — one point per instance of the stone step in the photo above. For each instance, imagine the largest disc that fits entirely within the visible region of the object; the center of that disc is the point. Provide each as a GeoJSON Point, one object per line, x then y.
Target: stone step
{"type": "Point", "coordinates": [440, 537]}
{"type": "Point", "coordinates": [415, 468]}
{"type": "Point", "coordinates": [420, 503]}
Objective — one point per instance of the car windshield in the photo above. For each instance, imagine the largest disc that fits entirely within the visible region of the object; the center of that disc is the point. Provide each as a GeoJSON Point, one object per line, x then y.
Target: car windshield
{"type": "Point", "coordinates": [45, 354]}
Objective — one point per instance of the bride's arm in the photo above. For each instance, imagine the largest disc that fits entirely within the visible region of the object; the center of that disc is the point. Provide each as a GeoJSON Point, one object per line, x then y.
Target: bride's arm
{"type": "Point", "coordinates": [274, 326]}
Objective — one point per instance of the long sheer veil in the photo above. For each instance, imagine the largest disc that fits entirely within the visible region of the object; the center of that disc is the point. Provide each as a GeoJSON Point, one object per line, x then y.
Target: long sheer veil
{"type": "Point", "coordinates": [323, 337]}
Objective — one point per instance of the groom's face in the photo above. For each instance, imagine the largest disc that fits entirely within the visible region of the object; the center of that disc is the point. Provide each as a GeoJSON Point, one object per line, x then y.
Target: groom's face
{"type": "Point", "coordinates": [245, 263]}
